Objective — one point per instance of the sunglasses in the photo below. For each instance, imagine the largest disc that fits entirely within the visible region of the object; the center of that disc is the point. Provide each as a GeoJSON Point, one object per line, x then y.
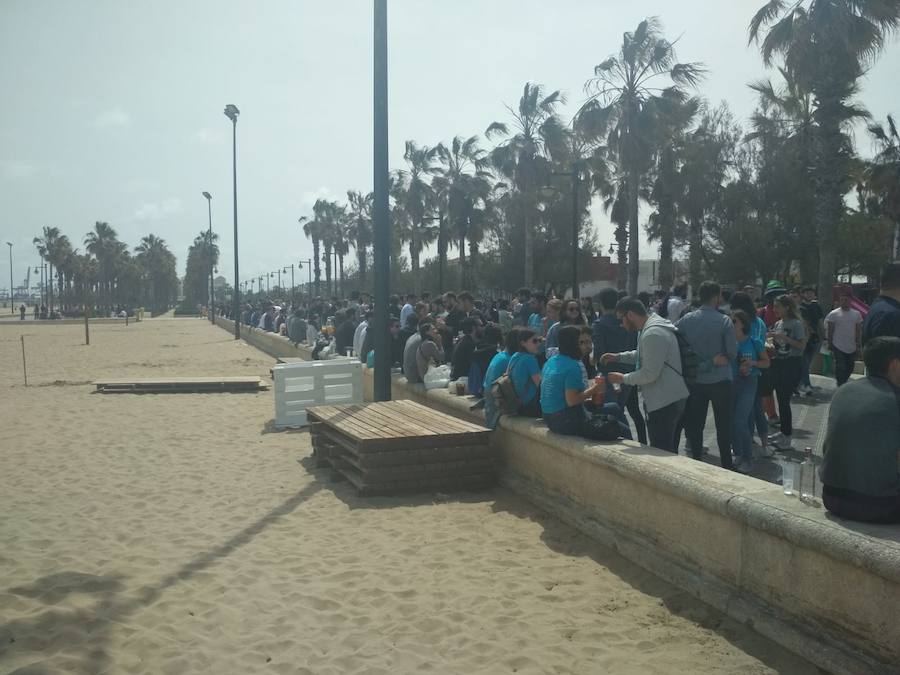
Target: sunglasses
{"type": "Point", "coordinates": [535, 340]}
{"type": "Point", "coordinates": [572, 310]}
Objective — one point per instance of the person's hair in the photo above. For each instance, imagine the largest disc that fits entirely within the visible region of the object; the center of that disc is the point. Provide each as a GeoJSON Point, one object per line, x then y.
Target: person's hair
{"type": "Point", "coordinates": [811, 289]}
{"type": "Point", "coordinates": [523, 291]}
{"type": "Point", "coordinates": [492, 335]}
{"type": "Point", "coordinates": [512, 341]}
{"type": "Point", "coordinates": [726, 296]}
{"type": "Point", "coordinates": [393, 320]}
{"type": "Point", "coordinates": [424, 330]}
{"type": "Point", "coordinates": [503, 304]}
{"type": "Point", "coordinates": [410, 296]}
{"type": "Point", "coordinates": [585, 330]}
{"type": "Point", "coordinates": [579, 318]}
{"type": "Point", "coordinates": [540, 297]}
{"type": "Point", "coordinates": [523, 335]}
{"type": "Point", "coordinates": [680, 290]}
{"type": "Point", "coordinates": [709, 290]}
{"type": "Point", "coordinates": [644, 297]}
{"type": "Point", "coordinates": [879, 352]}
{"type": "Point", "coordinates": [394, 299]}
{"type": "Point", "coordinates": [741, 316]}
{"type": "Point", "coordinates": [567, 338]}
{"type": "Point", "coordinates": [371, 314]}
{"type": "Point", "coordinates": [465, 295]}
{"type": "Point", "coordinates": [622, 294]}
{"type": "Point", "coordinates": [890, 276]}
{"type": "Point", "coordinates": [608, 298]}
{"type": "Point", "coordinates": [426, 295]}
{"type": "Point", "coordinates": [787, 302]}
{"type": "Point", "coordinates": [420, 306]}
{"type": "Point", "coordinates": [448, 295]}
{"type": "Point", "coordinates": [555, 304]}
{"type": "Point", "coordinates": [412, 321]}
{"type": "Point", "coordinates": [743, 302]}
{"type": "Point", "coordinates": [628, 304]}
{"type": "Point", "coordinates": [467, 325]}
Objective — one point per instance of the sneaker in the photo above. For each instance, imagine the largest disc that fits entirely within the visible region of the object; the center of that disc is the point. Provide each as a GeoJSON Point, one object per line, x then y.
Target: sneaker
{"type": "Point", "coordinates": [744, 466]}
{"type": "Point", "coordinates": [782, 442]}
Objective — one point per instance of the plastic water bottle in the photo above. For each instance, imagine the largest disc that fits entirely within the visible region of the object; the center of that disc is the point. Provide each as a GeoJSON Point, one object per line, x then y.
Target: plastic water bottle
{"type": "Point", "coordinates": [808, 478]}
{"type": "Point", "coordinates": [787, 476]}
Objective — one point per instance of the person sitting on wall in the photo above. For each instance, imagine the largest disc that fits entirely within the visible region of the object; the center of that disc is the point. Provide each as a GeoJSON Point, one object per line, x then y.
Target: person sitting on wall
{"type": "Point", "coordinates": [860, 469]}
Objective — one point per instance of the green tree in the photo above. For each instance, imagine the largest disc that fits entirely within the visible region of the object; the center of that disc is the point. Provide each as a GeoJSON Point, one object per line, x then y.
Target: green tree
{"type": "Point", "coordinates": [313, 231]}
{"type": "Point", "coordinates": [826, 45]}
{"type": "Point", "coordinates": [360, 212]}
{"type": "Point", "coordinates": [623, 90]}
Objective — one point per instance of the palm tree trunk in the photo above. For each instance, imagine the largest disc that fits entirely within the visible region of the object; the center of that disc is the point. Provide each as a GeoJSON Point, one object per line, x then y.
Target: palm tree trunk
{"type": "Point", "coordinates": [414, 258]}
{"type": "Point", "coordinates": [316, 268]}
{"type": "Point", "coordinates": [622, 247]}
{"type": "Point", "coordinates": [633, 233]}
{"type": "Point", "coordinates": [361, 261]}
{"type": "Point", "coordinates": [463, 281]}
{"type": "Point", "coordinates": [696, 252]}
{"type": "Point", "coordinates": [341, 270]}
{"type": "Point", "coordinates": [529, 253]}
{"type": "Point", "coordinates": [829, 206]}
{"type": "Point", "coordinates": [442, 252]}
{"type": "Point", "coordinates": [327, 259]}
{"type": "Point", "coordinates": [470, 267]}
{"type": "Point", "coordinates": [666, 224]}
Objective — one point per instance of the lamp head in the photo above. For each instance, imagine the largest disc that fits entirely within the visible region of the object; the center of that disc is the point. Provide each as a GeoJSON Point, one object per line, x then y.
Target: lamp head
{"type": "Point", "coordinates": [207, 195]}
{"type": "Point", "coordinates": [232, 112]}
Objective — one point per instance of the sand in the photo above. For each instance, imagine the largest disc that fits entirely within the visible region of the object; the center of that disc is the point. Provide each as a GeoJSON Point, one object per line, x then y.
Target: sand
{"type": "Point", "coordinates": [176, 533]}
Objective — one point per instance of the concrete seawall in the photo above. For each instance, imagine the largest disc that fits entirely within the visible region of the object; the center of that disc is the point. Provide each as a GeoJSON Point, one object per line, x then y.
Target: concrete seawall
{"type": "Point", "coordinates": [826, 589]}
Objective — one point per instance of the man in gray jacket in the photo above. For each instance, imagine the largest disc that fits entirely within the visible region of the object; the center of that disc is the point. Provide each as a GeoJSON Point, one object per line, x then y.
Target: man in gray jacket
{"type": "Point", "coordinates": [657, 371]}
{"type": "Point", "coordinates": [711, 335]}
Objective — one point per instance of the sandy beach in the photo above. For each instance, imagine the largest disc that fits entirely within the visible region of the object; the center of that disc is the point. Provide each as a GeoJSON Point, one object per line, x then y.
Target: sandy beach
{"type": "Point", "coordinates": [176, 533]}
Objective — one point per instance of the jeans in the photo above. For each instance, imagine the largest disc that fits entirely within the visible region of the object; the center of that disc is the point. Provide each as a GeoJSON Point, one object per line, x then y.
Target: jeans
{"type": "Point", "coordinates": [758, 417]}
{"type": "Point", "coordinates": [719, 394]}
{"type": "Point", "coordinates": [742, 416]}
{"type": "Point", "coordinates": [855, 506]}
{"type": "Point", "coordinates": [574, 421]}
{"type": "Point", "coordinates": [662, 423]}
{"type": "Point", "coordinates": [812, 347]}
{"type": "Point", "coordinates": [627, 398]}
{"type": "Point", "coordinates": [844, 364]}
{"type": "Point", "coordinates": [785, 376]}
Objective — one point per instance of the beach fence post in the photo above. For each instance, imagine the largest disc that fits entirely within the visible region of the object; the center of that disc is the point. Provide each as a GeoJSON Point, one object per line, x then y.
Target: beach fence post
{"type": "Point", "coordinates": [24, 368]}
{"type": "Point", "coordinates": [87, 332]}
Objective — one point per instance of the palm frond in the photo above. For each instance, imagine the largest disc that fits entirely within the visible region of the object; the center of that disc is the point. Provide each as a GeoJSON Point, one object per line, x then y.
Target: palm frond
{"type": "Point", "coordinates": [764, 17]}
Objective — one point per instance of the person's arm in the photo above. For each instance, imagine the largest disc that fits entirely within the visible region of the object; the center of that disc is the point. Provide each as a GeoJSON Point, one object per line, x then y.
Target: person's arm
{"type": "Point", "coordinates": [830, 328]}
{"type": "Point", "coordinates": [577, 397]}
{"type": "Point", "coordinates": [654, 349]}
{"type": "Point", "coordinates": [730, 342]}
{"type": "Point", "coordinates": [858, 334]}
{"type": "Point", "coordinates": [762, 359]}
{"type": "Point", "coordinates": [629, 358]}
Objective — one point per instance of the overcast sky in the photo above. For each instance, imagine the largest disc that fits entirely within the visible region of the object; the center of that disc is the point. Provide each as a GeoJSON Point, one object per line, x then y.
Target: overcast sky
{"type": "Point", "coordinates": [112, 109]}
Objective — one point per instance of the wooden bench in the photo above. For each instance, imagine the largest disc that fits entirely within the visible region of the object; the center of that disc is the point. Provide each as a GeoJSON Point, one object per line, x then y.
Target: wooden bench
{"type": "Point", "coordinates": [180, 385]}
{"type": "Point", "coordinates": [400, 447]}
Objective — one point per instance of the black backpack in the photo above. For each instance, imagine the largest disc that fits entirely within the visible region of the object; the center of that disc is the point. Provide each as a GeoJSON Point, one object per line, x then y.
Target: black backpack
{"type": "Point", "coordinates": [690, 361]}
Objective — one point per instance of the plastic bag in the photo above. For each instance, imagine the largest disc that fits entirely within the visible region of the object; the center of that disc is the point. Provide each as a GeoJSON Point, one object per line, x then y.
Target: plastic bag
{"type": "Point", "coordinates": [437, 377]}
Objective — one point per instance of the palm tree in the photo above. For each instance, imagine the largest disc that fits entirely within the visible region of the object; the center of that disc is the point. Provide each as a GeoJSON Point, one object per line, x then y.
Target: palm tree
{"type": "Point", "coordinates": [462, 180]}
{"type": "Point", "coordinates": [103, 243]}
{"type": "Point", "coordinates": [523, 157]}
{"type": "Point", "coordinates": [47, 245]}
{"type": "Point", "coordinates": [158, 264]}
{"type": "Point", "coordinates": [675, 116]}
{"type": "Point", "coordinates": [884, 174]}
{"type": "Point", "coordinates": [361, 228]}
{"type": "Point", "coordinates": [621, 89]}
{"type": "Point", "coordinates": [418, 197]}
{"type": "Point", "coordinates": [827, 45]}
{"type": "Point", "coordinates": [313, 230]}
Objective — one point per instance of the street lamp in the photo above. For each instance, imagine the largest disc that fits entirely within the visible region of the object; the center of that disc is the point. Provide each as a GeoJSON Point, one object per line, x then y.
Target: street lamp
{"type": "Point", "coordinates": [212, 311]}
{"type": "Point", "coordinates": [381, 209]}
{"type": "Point", "coordinates": [309, 267]}
{"type": "Point", "coordinates": [231, 112]}
{"type": "Point", "coordinates": [11, 299]}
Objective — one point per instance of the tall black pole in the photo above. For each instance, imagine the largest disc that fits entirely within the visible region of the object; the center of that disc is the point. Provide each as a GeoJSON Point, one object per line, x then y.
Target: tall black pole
{"type": "Point", "coordinates": [575, 228]}
{"type": "Point", "coordinates": [232, 113]}
{"type": "Point", "coordinates": [381, 213]}
{"type": "Point", "coordinates": [12, 297]}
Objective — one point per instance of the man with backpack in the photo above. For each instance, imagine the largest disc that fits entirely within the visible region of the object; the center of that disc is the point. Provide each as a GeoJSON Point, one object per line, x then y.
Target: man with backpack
{"type": "Point", "coordinates": [711, 335]}
{"type": "Point", "coordinates": [657, 370]}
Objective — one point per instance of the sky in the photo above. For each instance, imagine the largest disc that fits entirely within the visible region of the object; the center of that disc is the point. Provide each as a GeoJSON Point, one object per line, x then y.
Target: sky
{"type": "Point", "coordinates": [113, 108]}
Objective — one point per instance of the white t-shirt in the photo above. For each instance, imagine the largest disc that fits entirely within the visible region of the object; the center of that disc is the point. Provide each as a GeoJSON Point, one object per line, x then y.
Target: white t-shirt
{"type": "Point", "coordinates": [845, 323]}
{"type": "Point", "coordinates": [675, 307]}
{"type": "Point", "coordinates": [405, 311]}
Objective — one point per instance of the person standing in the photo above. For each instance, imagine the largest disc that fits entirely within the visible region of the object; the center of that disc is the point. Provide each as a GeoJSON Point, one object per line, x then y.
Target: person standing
{"type": "Point", "coordinates": [608, 336]}
{"type": "Point", "coordinates": [407, 309]}
{"type": "Point", "coordinates": [751, 357]}
{"type": "Point", "coordinates": [22, 312]}
{"type": "Point", "coordinates": [883, 318]}
{"type": "Point", "coordinates": [844, 329]}
{"type": "Point", "coordinates": [788, 339]}
{"type": "Point", "coordinates": [813, 315]}
{"type": "Point", "coordinates": [657, 370]}
{"type": "Point", "coordinates": [711, 335]}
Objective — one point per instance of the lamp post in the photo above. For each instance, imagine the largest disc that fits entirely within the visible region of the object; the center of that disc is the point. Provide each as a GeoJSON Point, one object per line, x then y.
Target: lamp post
{"type": "Point", "coordinates": [268, 288]}
{"type": "Point", "coordinates": [381, 209]}
{"type": "Point", "coordinates": [308, 262]}
{"type": "Point", "coordinates": [212, 304]}
{"type": "Point", "coordinates": [232, 112]}
{"type": "Point", "coordinates": [11, 292]}
{"type": "Point", "coordinates": [40, 270]}
{"type": "Point", "coordinates": [293, 301]}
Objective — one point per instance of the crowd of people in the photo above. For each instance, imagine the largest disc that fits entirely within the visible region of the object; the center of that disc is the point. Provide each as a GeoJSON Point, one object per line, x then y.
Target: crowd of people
{"type": "Point", "coordinates": [663, 360]}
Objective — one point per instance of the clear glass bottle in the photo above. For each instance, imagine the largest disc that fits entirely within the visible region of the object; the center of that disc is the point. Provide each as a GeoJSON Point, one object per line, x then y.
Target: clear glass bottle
{"type": "Point", "coordinates": [808, 478]}
{"type": "Point", "coordinates": [787, 476]}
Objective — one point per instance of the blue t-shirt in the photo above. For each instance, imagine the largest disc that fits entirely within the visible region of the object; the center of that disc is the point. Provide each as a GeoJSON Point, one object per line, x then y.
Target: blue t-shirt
{"type": "Point", "coordinates": [561, 372]}
{"type": "Point", "coordinates": [495, 369]}
{"type": "Point", "coordinates": [749, 350]}
{"type": "Point", "coordinates": [524, 367]}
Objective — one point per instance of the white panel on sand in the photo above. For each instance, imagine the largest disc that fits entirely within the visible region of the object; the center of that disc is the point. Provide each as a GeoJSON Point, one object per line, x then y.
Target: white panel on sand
{"type": "Point", "coordinates": [301, 385]}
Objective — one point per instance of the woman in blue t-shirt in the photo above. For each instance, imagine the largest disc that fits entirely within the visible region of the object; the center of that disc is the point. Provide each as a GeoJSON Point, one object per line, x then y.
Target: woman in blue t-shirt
{"type": "Point", "coordinates": [525, 372]}
{"type": "Point", "coordinates": [751, 356]}
{"type": "Point", "coordinates": [565, 390]}
{"type": "Point", "coordinates": [495, 369]}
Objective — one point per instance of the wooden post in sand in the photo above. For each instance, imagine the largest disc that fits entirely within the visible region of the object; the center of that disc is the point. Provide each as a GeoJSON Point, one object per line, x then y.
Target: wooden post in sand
{"type": "Point", "coordinates": [24, 369]}
{"type": "Point", "coordinates": [87, 332]}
